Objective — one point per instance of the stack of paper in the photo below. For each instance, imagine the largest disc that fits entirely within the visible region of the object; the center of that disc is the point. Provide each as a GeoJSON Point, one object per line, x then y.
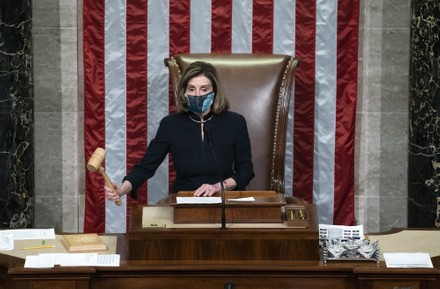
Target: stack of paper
{"type": "Point", "coordinates": [407, 260]}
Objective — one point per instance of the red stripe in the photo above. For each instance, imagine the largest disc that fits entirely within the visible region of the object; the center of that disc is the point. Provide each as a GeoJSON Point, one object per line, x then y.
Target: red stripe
{"type": "Point", "coordinates": [179, 43]}
{"type": "Point", "coordinates": [304, 107]}
{"type": "Point", "coordinates": [347, 67]}
{"type": "Point", "coordinates": [136, 110]}
{"type": "Point", "coordinates": [262, 26]}
{"type": "Point", "coordinates": [179, 26]}
{"type": "Point", "coordinates": [221, 26]}
{"type": "Point", "coordinates": [94, 110]}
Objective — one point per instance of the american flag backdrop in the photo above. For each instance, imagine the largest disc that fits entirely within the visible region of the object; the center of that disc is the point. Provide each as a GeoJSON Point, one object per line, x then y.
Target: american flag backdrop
{"type": "Point", "coordinates": [126, 89]}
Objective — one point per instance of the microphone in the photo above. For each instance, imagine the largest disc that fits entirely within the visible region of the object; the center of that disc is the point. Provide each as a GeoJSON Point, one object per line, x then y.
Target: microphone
{"type": "Point", "coordinates": [208, 133]}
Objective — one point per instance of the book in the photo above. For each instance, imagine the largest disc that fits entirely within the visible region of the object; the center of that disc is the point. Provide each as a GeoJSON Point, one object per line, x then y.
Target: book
{"type": "Point", "coordinates": [82, 243]}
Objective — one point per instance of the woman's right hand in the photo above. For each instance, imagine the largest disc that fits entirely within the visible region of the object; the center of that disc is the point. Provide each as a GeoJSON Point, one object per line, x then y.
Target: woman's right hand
{"type": "Point", "coordinates": [111, 194]}
{"type": "Point", "coordinates": [118, 192]}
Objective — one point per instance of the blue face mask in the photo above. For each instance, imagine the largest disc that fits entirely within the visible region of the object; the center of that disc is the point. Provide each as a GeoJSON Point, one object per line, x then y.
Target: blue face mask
{"type": "Point", "coordinates": [200, 104]}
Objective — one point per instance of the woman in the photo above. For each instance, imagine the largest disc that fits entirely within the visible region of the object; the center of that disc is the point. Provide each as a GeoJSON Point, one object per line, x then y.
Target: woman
{"type": "Point", "coordinates": [202, 108]}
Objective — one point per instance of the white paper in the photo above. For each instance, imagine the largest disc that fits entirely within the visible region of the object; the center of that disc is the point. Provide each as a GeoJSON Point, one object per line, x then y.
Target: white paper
{"type": "Point", "coordinates": [49, 260]}
{"type": "Point", "coordinates": [407, 260]}
{"type": "Point", "coordinates": [198, 200]}
{"type": "Point", "coordinates": [88, 259]}
{"type": "Point", "coordinates": [76, 259]}
{"type": "Point", "coordinates": [40, 261]}
{"type": "Point", "coordinates": [7, 242]}
{"type": "Point", "coordinates": [341, 232]}
{"type": "Point", "coordinates": [244, 200]}
{"type": "Point", "coordinates": [30, 234]}
{"type": "Point", "coordinates": [109, 260]}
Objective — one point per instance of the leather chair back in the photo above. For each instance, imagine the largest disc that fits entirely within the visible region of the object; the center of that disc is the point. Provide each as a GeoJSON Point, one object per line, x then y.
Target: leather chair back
{"type": "Point", "coordinates": [258, 86]}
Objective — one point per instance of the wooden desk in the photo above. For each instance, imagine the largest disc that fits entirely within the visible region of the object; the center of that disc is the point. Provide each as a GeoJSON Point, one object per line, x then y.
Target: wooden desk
{"type": "Point", "coordinates": [197, 269]}
{"type": "Point", "coordinates": [212, 243]}
{"type": "Point", "coordinates": [247, 274]}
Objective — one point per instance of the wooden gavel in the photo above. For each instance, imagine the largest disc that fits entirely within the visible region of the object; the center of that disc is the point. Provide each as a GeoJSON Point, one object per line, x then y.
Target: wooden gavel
{"type": "Point", "coordinates": [95, 164]}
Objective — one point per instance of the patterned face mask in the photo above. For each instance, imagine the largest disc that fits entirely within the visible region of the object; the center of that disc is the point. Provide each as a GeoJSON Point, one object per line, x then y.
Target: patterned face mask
{"type": "Point", "coordinates": [200, 104]}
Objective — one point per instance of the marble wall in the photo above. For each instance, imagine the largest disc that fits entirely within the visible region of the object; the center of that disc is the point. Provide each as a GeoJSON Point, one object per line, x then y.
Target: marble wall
{"type": "Point", "coordinates": [382, 116]}
{"type": "Point", "coordinates": [59, 173]}
{"type": "Point", "coordinates": [424, 137]}
{"type": "Point", "coordinates": [16, 115]}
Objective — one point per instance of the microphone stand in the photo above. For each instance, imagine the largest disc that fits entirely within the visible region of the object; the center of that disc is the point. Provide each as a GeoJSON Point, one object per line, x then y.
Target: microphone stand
{"type": "Point", "coordinates": [222, 191]}
{"type": "Point", "coordinates": [207, 131]}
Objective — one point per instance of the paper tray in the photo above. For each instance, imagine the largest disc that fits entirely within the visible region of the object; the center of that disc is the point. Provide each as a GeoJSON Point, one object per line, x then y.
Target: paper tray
{"type": "Point", "coordinates": [267, 208]}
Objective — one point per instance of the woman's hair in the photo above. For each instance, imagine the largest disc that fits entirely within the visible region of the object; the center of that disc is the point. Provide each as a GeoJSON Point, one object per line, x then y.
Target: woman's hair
{"type": "Point", "coordinates": [195, 69]}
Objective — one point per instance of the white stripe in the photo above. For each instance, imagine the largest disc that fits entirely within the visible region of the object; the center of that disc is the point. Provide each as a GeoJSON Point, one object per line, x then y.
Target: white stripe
{"type": "Point", "coordinates": [115, 102]}
{"type": "Point", "coordinates": [325, 109]}
{"type": "Point", "coordinates": [157, 88]}
{"type": "Point", "coordinates": [284, 43]}
{"type": "Point", "coordinates": [241, 26]}
{"type": "Point", "coordinates": [200, 31]}
{"type": "Point", "coordinates": [284, 27]}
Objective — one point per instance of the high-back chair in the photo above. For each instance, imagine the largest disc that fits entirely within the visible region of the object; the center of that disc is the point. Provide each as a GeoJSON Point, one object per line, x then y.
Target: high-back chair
{"type": "Point", "coordinates": [259, 87]}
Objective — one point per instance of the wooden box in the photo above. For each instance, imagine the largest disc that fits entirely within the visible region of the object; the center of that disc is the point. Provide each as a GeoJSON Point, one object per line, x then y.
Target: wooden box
{"type": "Point", "coordinates": [266, 208]}
{"type": "Point", "coordinates": [297, 215]}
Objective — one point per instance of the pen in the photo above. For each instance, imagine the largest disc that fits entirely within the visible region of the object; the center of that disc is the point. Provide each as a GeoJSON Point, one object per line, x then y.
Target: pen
{"type": "Point", "coordinates": [37, 247]}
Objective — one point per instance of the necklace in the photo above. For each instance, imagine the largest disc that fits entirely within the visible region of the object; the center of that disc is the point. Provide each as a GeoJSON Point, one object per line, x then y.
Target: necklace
{"type": "Point", "coordinates": [200, 121]}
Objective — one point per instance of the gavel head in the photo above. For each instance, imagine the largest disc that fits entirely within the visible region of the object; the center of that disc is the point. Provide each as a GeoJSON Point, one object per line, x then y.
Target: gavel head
{"type": "Point", "coordinates": [96, 160]}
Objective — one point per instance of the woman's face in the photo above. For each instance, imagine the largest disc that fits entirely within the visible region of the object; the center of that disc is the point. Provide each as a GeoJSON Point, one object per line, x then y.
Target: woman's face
{"type": "Point", "coordinates": [199, 85]}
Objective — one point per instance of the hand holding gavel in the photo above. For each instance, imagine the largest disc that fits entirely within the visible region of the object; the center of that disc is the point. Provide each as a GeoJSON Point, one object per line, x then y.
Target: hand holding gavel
{"type": "Point", "coordinates": [95, 164]}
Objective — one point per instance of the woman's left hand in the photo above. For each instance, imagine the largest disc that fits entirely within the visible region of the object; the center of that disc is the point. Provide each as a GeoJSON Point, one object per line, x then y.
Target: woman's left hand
{"type": "Point", "coordinates": [207, 190]}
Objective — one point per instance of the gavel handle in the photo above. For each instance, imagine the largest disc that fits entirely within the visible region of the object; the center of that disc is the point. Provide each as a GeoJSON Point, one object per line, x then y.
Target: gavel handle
{"type": "Point", "coordinates": [109, 184]}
